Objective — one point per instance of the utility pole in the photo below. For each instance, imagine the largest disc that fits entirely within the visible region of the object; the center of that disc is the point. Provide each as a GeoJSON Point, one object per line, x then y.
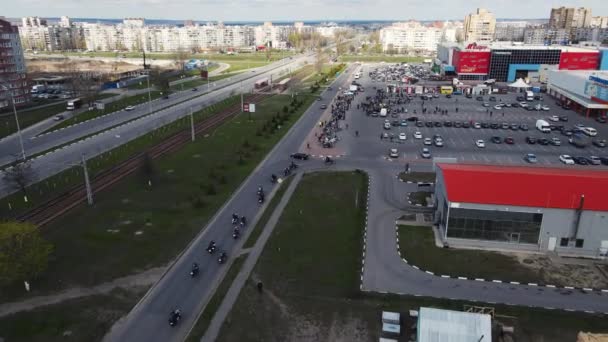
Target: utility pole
{"type": "Point", "coordinates": [241, 96]}
{"type": "Point", "coordinates": [207, 66]}
{"type": "Point", "coordinates": [149, 95]}
{"type": "Point", "coordinates": [87, 183]}
{"type": "Point", "coordinates": [18, 127]}
{"type": "Point", "coordinates": [192, 124]}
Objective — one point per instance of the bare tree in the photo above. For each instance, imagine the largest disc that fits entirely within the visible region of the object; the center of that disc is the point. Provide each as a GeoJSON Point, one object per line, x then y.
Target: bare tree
{"type": "Point", "coordinates": [19, 176]}
{"type": "Point", "coordinates": [320, 61]}
{"type": "Point", "coordinates": [180, 58]}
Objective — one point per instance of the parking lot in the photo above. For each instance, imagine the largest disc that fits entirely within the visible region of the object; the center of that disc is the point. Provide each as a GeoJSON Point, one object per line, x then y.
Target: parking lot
{"type": "Point", "coordinates": [459, 142]}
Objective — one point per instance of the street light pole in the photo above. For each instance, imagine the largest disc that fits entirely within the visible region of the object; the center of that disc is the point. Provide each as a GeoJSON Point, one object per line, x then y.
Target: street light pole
{"type": "Point", "coordinates": [149, 95]}
{"type": "Point", "coordinates": [192, 124]}
{"type": "Point", "coordinates": [18, 127]}
{"type": "Point", "coordinates": [87, 183]}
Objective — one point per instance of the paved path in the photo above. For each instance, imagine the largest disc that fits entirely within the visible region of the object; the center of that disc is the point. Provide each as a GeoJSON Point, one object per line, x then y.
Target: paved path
{"type": "Point", "coordinates": [145, 278]}
{"type": "Point", "coordinates": [231, 296]}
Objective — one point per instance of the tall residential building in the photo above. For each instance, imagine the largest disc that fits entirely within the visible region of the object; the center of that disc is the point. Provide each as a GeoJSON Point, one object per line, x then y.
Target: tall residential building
{"type": "Point", "coordinates": [510, 31]}
{"type": "Point", "coordinates": [32, 22]}
{"type": "Point", "coordinates": [599, 22]}
{"type": "Point", "coordinates": [65, 21]}
{"type": "Point", "coordinates": [545, 36]}
{"type": "Point", "coordinates": [479, 26]}
{"type": "Point", "coordinates": [13, 78]}
{"type": "Point", "coordinates": [569, 18]}
{"type": "Point", "coordinates": [410, 36]}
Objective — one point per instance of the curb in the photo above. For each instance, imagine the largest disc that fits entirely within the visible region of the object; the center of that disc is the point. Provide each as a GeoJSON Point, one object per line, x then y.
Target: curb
{"type": "Point", "coordinates": [369, 187]}
{"type": "Point", "coordinates": [539, 285]}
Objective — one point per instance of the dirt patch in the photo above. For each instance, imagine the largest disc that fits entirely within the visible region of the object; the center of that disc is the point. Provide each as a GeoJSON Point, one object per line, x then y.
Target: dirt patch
{"type": "Point", "coordinates": [54, 65]}
{"type": "Point", "coordinates": [564, 271]}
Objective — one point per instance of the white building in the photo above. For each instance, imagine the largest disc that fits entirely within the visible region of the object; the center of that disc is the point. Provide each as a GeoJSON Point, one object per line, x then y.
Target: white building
{"type": "Point", "coordinates": [402, 37]}
{"type": "Point", "coordinates": [510, 31]}
{"type": "Point", "coordinates": [479, 27]}
{"type": "Point", "coordinates": [541, 36]}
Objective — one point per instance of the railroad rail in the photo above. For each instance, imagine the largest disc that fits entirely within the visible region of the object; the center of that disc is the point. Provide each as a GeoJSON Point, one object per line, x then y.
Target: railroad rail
{"type": "Point", "coordinates": [66, 201]}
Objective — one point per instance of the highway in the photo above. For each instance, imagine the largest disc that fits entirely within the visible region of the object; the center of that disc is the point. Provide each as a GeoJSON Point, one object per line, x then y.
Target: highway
{"type": "Point", "coordinates": [61, 159]}
{"type": "Point", "coordinates": [148, 320]}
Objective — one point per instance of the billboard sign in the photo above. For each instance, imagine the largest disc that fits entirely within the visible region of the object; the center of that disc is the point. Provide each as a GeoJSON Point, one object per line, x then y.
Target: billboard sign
{"type": "Point", "coordinates": [472, 62]}
{"type": "Point", "coordinates": [249, 107]}
{"type": "Point", "coordinates": [596, 91]}
{"type": "Point", "coordinates": [579, 60]}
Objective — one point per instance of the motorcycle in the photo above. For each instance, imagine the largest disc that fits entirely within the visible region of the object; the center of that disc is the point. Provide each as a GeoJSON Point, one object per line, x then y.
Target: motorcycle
{"type": "Point", "coordinates": [261, 198]}
{"type": "Point", "coordinates": [235, 233]}
{"type": "Point", "coordinates": [273, 178]}
{"type": "Point", "coordinates": [211, 248]}
{"type": "Point", "coordinates": [174, 317]}
{"type": "Point", "coordinates": [243, 221]}
{"type": "Point", "coordinates": [329, 161]}
{"type": "Point", "coordinates": [235, 218]}
{"type": "Point", "coordinates": [222, 258]}
{"type": "Point", "coordinates": [194, 270]}
{"type": "Point", "coordinates": [260, 191]}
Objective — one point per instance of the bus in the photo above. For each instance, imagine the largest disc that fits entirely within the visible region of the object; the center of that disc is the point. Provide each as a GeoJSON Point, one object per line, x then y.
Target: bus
{"type": "Point", "coordinates": [447, 90]}
{"type": "Point", "coordinates": [74, 104]}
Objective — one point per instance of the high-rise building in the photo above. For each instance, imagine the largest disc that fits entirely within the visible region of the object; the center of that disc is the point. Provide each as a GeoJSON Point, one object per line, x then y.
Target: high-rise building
{"type": "Point", "coordinates": [65, 21]}
{"type": "Point", "coordinates": [545, 36]}
{"type": "Point", "coordinates": [510, 31]}
{"type": "Point", "coordinates": [599, 22]}
{"type": "Point", "coordinates": [569, 18]}
{"type": "Point", "coordinates": [479, 26]}
{"type": "Point", "coordinates": [410, 36]}
{"type": "Point", "coordinates": [13, 78]}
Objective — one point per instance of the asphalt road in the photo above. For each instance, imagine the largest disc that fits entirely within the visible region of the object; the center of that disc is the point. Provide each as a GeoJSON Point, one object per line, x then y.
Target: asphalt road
{"type": "Point", "coordinates": [61, 159]}
{"type": "Point", "coordinates": [38, 143]}
{"type": "Point", "coordinates": [148, 320]}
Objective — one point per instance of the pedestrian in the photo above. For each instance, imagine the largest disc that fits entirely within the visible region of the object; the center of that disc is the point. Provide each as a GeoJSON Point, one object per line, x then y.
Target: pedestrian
{"type": "Point", "coordinates": [503, 114]}
{"type": "Point", "coordinates": [490, 114]}
{"type": "Point", "coordinates": [346, 126]}
{"type": "Point", "coordinates": [380, 136]}
{"type": "Point", "coordinates": [260, 286]}
{"type": "Point", "coordinates": [308, 146]}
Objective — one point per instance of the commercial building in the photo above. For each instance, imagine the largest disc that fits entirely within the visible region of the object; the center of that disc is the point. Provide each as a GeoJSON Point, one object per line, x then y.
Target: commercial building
{"type": "Point", "coordinates": [13, 77]}
{"type": "Point", "coordinates": [506, 62]}
{"type": "Point", "coordinates": [523, 208]}
{"type": "Point", "coordinates": [479, 26]}
{"type": "Point", "coordinates": [453, 326]}
{"type": "Point", "coordinates": [585, 92]}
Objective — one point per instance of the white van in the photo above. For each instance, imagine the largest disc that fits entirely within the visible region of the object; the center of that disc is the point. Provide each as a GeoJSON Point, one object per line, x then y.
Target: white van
{"type": "Point", "coordinates": [383, 112]}
{"type": "Point", "coordinates": [590, 131]}
{"type": "Point", "coordinates": [543, 126]}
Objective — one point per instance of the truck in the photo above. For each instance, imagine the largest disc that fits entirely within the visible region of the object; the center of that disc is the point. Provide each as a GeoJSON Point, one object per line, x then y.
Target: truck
{"type": "Point", "coordinates": [74, 104]}
{"type": "Point", "coordinates": [353, 87]}
{"type": "Point", "coordinates": [529, 96]}
{"type": "Point", "coordinates": [38, 88]}
{"type": "Point", "coordinates": [543, 126]}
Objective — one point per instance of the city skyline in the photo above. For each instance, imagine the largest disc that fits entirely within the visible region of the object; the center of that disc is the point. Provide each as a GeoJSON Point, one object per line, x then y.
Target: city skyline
{"type": "Point", "coordinates": [284, 10]}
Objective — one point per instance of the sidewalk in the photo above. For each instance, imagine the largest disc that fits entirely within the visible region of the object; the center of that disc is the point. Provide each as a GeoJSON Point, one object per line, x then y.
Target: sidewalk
{"type": "Point", "coordinates": [218, 320]}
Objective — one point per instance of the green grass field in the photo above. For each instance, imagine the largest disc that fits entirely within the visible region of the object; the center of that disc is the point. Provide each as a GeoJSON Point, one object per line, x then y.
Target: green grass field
{"type": "Point", "coordinates": [417, 245]}
{"type": "Point", "coordinates": [109, 108]}
{"type": "Point", "coordinates": [311, 267]}
{"type": "Point", "coordinates": [417, 177]}
{"type": "Point", "coordinates": [135, 226]}
{"type": "Point", "coordinates": [84, 319]}
{"type": "Point", "coordinates": [27, 118]}
{"type": "Point", "coordinates": [381, 58]}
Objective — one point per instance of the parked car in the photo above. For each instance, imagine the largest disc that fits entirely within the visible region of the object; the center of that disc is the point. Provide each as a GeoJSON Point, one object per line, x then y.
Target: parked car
{"type": "Point", "coordinates": [531, 158]}
{"type": "Point", "coordinates": [531, 140]}
{"type": "Point", "coordinates": [402, 136]}
{"type": "Point", "coordinates": [393, 153]}
{"type": "Point", "coordinates": [563, 118]}
{"type": "Point", "coordinates": [554, 118]}
{"type": "Point", "coordinates": [600, 119]}
{"type": "Point", "coordinates": [595, 160]}
{"type": "Point", "coordinates": [509, 140]}
{"type": "Point", "coordinates": [599, 143]}
{"type": "Point", "coordinates": [403, 123]}
{"type": "Point", "coordinates": [496, 140]}
{"type": "Point", "coordinates": [417, 135]}
{"type": "Point", "coordinates": [555, 141]}
{"type": "Point", "coordinates": [581, 160]}
{"type": "Point", "coordinates": [480, 143]}
{"type": "Point", "coordinates": [566, 159]}
{"type": "Point", "coordinates": [425, 153]}
{"type": "Point", "coordinates": [523, 127]}
{"type": "Point", "coordinates": [300, 156]}
{"type": "Point", "coordinates": [428, 141]}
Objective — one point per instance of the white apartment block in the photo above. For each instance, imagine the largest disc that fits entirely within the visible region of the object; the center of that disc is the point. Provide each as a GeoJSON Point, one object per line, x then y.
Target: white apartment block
{"type": "Point", "coordinates": [479, 26]}
{"type": "Point", "coordinates": [402, 37]}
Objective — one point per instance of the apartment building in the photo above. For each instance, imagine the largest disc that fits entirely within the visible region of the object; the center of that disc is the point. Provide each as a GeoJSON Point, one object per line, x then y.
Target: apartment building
{"type": "Point", "coordinates": [13, 78]}
{"type": "Point", "coordinates": [569, 18]}
{"type": "Point", "coordinates": [412, 36]}
{"type": "Point", "coordinates": [480, 26]}
{"type": "Point", "coordinates": [510, 31]}
{"type": "Point", "coordinates": [545, 36]}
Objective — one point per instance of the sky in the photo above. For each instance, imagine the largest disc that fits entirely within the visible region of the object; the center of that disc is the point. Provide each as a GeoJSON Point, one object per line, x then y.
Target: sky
{"type": "Point", "coordinates": [259, 10]}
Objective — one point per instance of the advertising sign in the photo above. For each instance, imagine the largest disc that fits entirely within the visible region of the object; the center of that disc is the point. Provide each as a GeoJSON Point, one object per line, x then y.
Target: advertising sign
{"type": "Point", "coordinates": [579, 60]}
{"type": "Point", "coordinates": [472, 62]}
{"type": "Point", "coordinates": [596, 91]}
{"type": "Point", "coordinates": [249, 107]}
{"type": "Point", "coordinates": [204, 74]}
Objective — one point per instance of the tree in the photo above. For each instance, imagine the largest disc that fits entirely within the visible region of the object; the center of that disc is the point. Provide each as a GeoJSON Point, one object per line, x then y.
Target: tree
{"type": "Point", "coordinates": [180, 57]}
{"type": "Point", "coordinates": [320, 59]}
{"type": "Point", "coordinates": [19, 176]}
{"type": "Point", "coordinates": [24, 253]}
{"type": "Point", "coordinates": [160, 79]}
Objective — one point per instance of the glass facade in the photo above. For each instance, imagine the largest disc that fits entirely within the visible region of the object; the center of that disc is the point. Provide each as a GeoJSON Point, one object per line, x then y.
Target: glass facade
{"type": "Point", "coordinates": [494, 225]}
{"type": "Point", "coordinates": [500, 60]}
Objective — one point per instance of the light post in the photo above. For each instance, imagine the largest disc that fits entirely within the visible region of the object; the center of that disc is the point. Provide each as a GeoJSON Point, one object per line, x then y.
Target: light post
{"type": "Point", "coordinates": [16, 121]}
{"type": "Point", "coordinates": [149, 95]}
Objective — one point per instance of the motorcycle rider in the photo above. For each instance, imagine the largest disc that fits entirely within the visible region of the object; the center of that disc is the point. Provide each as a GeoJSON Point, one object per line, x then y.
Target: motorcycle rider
{"type": "Point", "coordinates": [243, 221]}
{"type": "Point", "coordinates": [194, 270]}
{"type": "Point", "coordinates": [273, 178]}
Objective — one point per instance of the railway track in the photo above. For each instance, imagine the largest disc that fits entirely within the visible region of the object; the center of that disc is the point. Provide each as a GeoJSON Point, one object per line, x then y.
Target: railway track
{"type": "Point", "coordinates": [54, 208]}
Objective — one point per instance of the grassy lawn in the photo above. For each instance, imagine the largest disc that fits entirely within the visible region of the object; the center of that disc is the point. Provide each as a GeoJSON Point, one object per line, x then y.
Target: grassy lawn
{"type": "Point", "coordinates": [311, 269]}
{"type": "Point", "coordinates": [259, 227]}
{"type": "Point", "coordinates": [135, 226]}
{"type": "Point", "coordinates": [425, 177]}
{"type": "Point", "coordinates": [214, 303]}
{"type": "Point", "coordinates": [417, 245]}
{"type": "Point", "coordinates": [28, 118]}
{"type": "Point", "coordinates": [87, 319]}
{"type": "Point", "coordinates": [419, 197]}
{"type": "Point", "coordinates": [238, 65]}
{"type": "Point", "coordinates": [381, 58]}
{"type": "Point", "coordinates": [109, 108]}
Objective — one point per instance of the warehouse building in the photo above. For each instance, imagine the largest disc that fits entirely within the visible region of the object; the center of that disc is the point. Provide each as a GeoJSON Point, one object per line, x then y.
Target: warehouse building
{"type": "Point", "coordinates": [586, 92]}
{"type": "Point", "coordinates": [523, 208]}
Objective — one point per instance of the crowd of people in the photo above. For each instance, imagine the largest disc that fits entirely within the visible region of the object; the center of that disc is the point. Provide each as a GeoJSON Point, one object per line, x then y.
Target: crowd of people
{"type": "Point", "coordinates": [328, 135]}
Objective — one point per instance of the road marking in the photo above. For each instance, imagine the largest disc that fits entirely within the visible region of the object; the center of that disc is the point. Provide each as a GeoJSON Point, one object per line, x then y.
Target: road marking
{"type": "Point", "coordinates": [463, 278]}
{"type": "Point", "coordinates": [497, 281]}
{"type": "Point", "coordinates": [606, 291]}
{"type": "Point", "coordinates": [445, 276]}
{"type": "Point", "coordinates": [587, 289]}
{"type": "Point", "coordinates": [550, 286]}
{"type": "Point", "coordinates": [416, 267]}
{"type": "Point", "coordinates": [429, 272]}
{"type": "Point", "coordinates": [569, 287]}
{"type": "Point", "coordinates": [532, 284]}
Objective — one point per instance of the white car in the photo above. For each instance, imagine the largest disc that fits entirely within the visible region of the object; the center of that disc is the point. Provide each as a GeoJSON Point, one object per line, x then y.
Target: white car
{"type": "Point", "coordinates": [545, 108]}
{"type": "Point", "coordinates": [439, 142]}
{"type": "Point", "coordinates": [402, 136]}
{"type": "Point", "coordinates": [417, 135]}
{"type": "Point", "coordinates": [477, 125]}
{"type": "Point", "coordinates": [129, 108]}
{"type": "Point", "coordinates": [566, 159]}
{"type": "Point", "coordinates": [428, 141]}
{"type": "Point", "coordinates": [480, 143]}
{"type": "Point", "coordinates": [554, 118]}
{"type": "Point", "coordinates": [426, 154]}
{"type": "Point", "coordinates": [393, 153]}
{"type": "Point", "coordinates": [590, 131]}
{"type": "Point", "coordinates": [498, 107]}
{"type": "Point", "coordinates": [595, 160]}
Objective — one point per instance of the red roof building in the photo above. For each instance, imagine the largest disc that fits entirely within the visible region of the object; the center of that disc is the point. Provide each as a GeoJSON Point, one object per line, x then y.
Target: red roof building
{"type": "Point", "coordinates": [526, 186]}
